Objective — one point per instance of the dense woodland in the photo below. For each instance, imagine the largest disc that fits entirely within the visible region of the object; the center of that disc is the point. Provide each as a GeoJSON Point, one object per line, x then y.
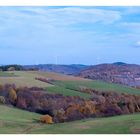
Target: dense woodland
{"type": "Point", "coordinates": [61, 108]}
{"type": "Point", "coordinates": [11, 67]}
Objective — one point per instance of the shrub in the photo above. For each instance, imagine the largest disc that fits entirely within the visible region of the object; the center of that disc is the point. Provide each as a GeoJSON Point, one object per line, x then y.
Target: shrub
{"type": "Point", "coordinates": [2, 100]}
{"type": "Point", "coordinates": [46, 119]}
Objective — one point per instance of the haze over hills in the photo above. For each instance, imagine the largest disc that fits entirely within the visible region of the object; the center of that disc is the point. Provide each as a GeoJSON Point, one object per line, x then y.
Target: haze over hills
{"type": "Point", "coordinates": [72, 69]}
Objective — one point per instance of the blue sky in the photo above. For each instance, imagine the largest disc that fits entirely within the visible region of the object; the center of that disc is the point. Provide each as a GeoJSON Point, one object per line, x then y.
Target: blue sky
{"type": "Point", "coordinates": [69, 35]}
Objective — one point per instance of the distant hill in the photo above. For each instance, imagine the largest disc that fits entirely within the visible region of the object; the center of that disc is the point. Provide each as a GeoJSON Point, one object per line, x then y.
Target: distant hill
{"type": "Point", "coordinates": [64, 69]}
{"type": "Point", "coordinates": [122, 73]}
{"type": "Point", "coordinates": [119, 63]}
{"type": "Point", "coordinates": [118, 72]}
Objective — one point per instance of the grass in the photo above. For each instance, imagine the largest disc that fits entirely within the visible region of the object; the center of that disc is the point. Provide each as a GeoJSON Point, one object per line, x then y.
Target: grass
{"type": "Point", "coordinates": [98, 85]}
{"type": "Point", "coordinates": [126, 124]}
{"type": "Point", "coordinates": [17, 121]}
{"type": "Point", "coordinates": [14, 120]}
{"type": "Point", "coordinates": [22, 78]}
{"type": "Point", "coordinates": [66, 92]}
{"type": "Point", "coordinates": [63, 85]}
{"type": "Point", "coordinates": [5, 74]}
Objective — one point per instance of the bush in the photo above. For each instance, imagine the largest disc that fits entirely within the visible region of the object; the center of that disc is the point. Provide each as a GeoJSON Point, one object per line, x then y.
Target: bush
{"type": "Point", "coordinates": [2, 100]}
{"type": "Point", "coordinates": [46, 119]}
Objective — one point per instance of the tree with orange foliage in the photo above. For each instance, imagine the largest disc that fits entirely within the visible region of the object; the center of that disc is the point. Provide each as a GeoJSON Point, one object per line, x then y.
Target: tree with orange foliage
{"type": "Point", "coordinates": [88, 108]}
{"type": "Point", "coordinates": [46, 119]}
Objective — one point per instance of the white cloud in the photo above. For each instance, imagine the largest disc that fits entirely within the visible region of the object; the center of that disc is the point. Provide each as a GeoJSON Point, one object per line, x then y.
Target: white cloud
{"type": "Point", "coordinates": [47, 23]}
{"type": "Point", "coordinates": [59, 16]}
{"type": "Point", "coordinates": [81, 15]}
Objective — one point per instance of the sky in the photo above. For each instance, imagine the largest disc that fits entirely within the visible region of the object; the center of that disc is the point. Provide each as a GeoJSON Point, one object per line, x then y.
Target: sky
{"type": "Point", "coordinates": [69, 35]}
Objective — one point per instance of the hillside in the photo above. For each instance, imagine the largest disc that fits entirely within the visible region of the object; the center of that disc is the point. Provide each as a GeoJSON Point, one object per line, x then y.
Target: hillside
{"type": "Point", "coordinates": [127, 74]}
{"type": "Point", "coordinates": [21, 78]}
{"type": "Point", "coordinates": [27, 78]}
{"type": "Point", "coordinates": [25, 123]}
{"type": "Point", "coordinates": [64, 84]}
{"type": "Point", "coordinates": [65, 94]}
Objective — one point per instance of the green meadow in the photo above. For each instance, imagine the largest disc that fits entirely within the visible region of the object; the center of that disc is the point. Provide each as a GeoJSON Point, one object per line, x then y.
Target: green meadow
{"type": "Point", "coordinates": [16, 121]}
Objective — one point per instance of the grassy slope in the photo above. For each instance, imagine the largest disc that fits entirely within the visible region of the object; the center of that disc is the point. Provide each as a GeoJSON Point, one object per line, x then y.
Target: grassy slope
{"type": "Point", "coordinates": [126, 124]}
{"type": "Point", "coordinates": [19, 121]}
{"type": "Point", "coordinates": [67, 84]}
{"type": "Point", "coordinates": [66, 92]}
{"type": "Point", "coordinates": [15, 120]}
{"type": "Point", "coordinates": [22, 78]}
{"type": "Point", "coordinates": [64, 84]}
{"type": "Point", "coordinates": [98, 85]}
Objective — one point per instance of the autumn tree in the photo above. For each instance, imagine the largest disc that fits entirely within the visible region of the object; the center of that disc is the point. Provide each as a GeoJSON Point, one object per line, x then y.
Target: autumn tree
{"type": "Point", "coordinates": [12, 95]}
{"type": "Point", "coordinates": [46, 119]}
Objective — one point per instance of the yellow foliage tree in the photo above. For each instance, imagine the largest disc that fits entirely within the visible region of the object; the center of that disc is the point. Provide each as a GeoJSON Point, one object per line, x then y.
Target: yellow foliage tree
{"type": "Point", "coordinates": [46, 119]}
{"type": "Point", "coordinates": [12, 95]}
{"type": "Point", "coordinates": [88, 108]}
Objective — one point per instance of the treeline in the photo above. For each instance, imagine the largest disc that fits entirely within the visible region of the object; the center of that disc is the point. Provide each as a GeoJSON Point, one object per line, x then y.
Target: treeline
{"type": "Point", "coordinates": [11, 68]}
{"type": "Point", "coordinates": [59, 108]}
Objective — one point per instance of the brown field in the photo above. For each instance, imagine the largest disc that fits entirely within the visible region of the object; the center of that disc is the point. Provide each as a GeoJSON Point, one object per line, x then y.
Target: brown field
{"type": "Point", "coordinates": [57, 76]}
{"type": "Point", "coordinates": [27, 78]}
{"type": "Point", "coordinates": [23, 79]}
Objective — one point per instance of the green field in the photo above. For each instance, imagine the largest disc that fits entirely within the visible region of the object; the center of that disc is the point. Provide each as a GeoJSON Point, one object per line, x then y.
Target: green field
{"type": "Point", "coordinates": [66, 85]}
{"type": "Point", "coordinates": [17, 121]}
{"type": "Point", "coordinates": [98, 85]}
{"type": "Point", "coordinates": [22, 78]}
{"type": "Point", "coordinates": [66, 92]}
{"type": "Point", "coordinates": [27, 78]}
